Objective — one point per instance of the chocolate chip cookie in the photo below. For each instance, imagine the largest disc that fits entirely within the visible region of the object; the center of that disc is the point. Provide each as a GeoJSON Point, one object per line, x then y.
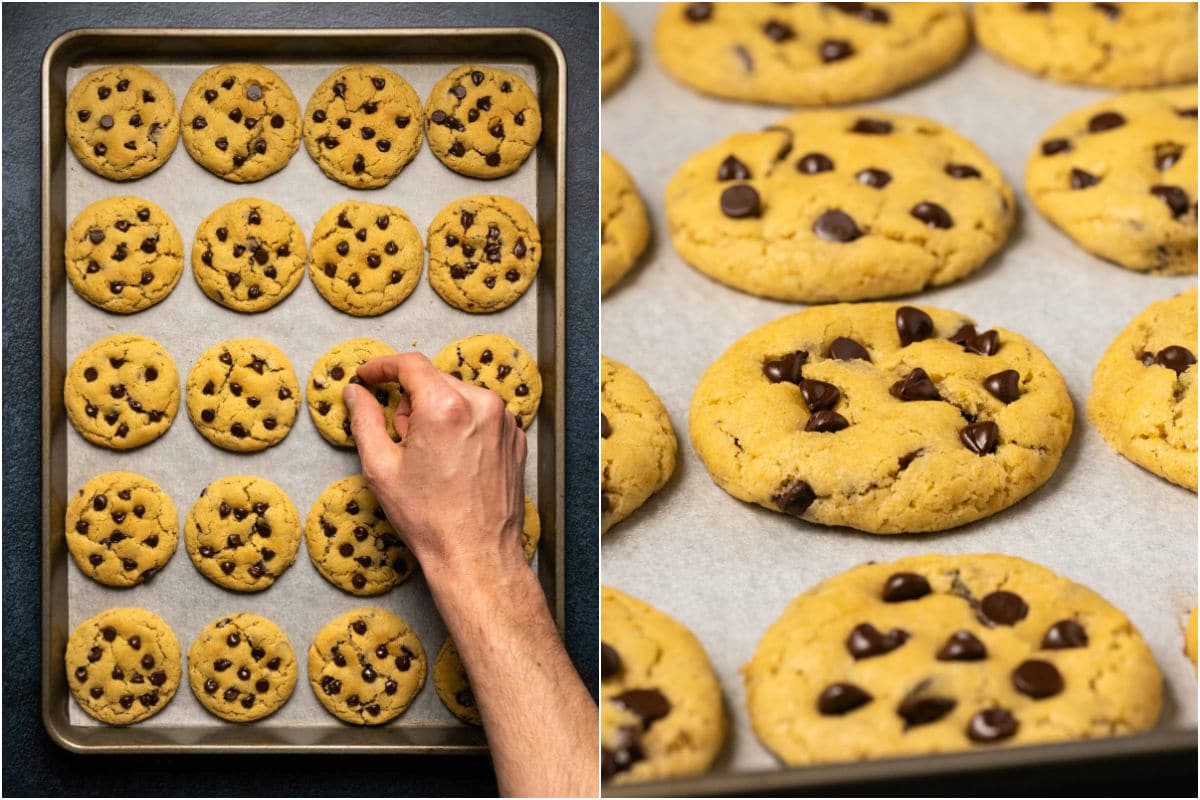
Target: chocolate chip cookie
{"type": "Point", "coordinates": [624, 225]}
{"type": "Point", "coordinates": [881, 417]}
{"type": "Point", "coordinates": [938, 653]}
{"type": "Point", "coordinates": [249, 255]}
{"type": "Point", "coordinates": [839, 205]}
{"type": "Point", "coordinates": [121, 122]}
{"type": "Point", "coordinates": [661, 713]}
{"type": "Point", "coordinates": [329, 377]}
{"type": "Point", "coordinates": [242, 667]}
{"type": "Point", "coordinates": [351, 542]}
{"type": "Point", "coordinates": [123, 665]}
{"type": "Point", "coordinates": [363, 125]}
{"type": "Point", "coordinates": [453, 685]}
{"type": "Point", "coordinates": [1119, 177]}
{"type": "Point", "coordinates": [366, 257]}
{"type": "Point", "coordinates": [241, 122]}
{"type": "Point", "coordinates": [805, 54]}
{"type": "Point", "coordinates": [366, 666]}
{"type": "Point", "coordinates": [498, 363]}
{"type": "Point", "coordinates": [121, 528]}
{"type": "Point", "coordinates": [1143, 399]}
{"type": "Point", "coordinates": [122, 392]}
{"type": "Point", "coordinates": [617, 52]}
{"type": "Point", "coordinates": [484, 252]}
{"type": "Point", "coordinates": [242, 395]}
{"type": "Point", "coordinates": [482, 122]}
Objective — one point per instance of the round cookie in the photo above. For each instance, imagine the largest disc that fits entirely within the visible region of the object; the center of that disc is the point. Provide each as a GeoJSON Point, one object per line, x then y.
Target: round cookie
{"type": "Point", "coordinates": [881, 417]}
{"type": "Point", "coordinates": [123, 665]}
{"type": "Point", "coordinates": [937, 653]}
{"type": "Point", "coordinates": [453, 685]}
{"type": "Point", "coordinates": [241, 122]}
{"type": "Point", "coordinates": [484, 252]}
{"type": "Point", "coordinates": [242, 667]}
{"type": "Point", "coordinates": [1119, 178]}
{"type": "Point", "coordinates": [121, 122]}
{"type": "Point", "coordinates": [637, 442]}
{"type": "Point", "coordinates": [488, 360]}
{"type": "Point", "coordinates": [352, 543]}
{"type": "Point", "coordinates": [123, 254]}
{"type": "Point", "coordinates": [808, 54]}
{"type": "Point", "coordinates": [1189, 644]}
{"type": "Point", "coordinates": [121, 528]}
{"type": "Point", "coordinates": [363, 125]}
{"type": "Point", "coordinates": [249, 255]}
{"type": "Point", "coordinates": [624, 225]}
{"type": "Point", "coordinates": [122, 392]}
{"type": "Point", "coordinates": [242, 395]}
{"type": "Point", "coordinates": [329, 377]}
{"type": "Point", "coordinates": [1143, 399]}
{"type": "Point", "coordinates": [839, 205]}
{"type": "Point", "coordinates": [1122, 45]}
{"type": "Point", "coordinates": [366, 257]}
{"type": "Point", "coordinates": [482, 122]}
{"type": "Point", "coordinates": [616, 49]}
{"type": "Point", "coordinates": [661, 712]}
{"type": "Point", "coordinates": [242, 533]}
{"type": "Point", "coordinates": [366, 666]}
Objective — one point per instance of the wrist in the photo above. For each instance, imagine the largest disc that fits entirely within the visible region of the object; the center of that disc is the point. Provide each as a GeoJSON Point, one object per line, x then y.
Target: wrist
{"type": "Point", "coordinates": [483, 588]}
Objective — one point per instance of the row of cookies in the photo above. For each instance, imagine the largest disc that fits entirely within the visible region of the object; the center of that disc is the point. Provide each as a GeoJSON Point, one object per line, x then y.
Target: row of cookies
{"type": "Point", "coordinates": [362, 126]}
{"type": "Point", "coordinates": [124, 254]}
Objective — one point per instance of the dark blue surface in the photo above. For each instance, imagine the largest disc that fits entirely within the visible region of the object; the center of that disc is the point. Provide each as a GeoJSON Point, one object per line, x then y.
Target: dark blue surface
{"type": "Point", "coordinates": [33, 764]}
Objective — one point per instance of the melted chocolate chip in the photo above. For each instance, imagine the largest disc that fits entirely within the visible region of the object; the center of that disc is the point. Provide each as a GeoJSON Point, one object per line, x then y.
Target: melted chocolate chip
{"type": "Point", "coordinates": [962, 646]}
{"type": "Point", "coordinates": [1082, 180]}
{"type": "Point", "coordinates": [1175, 198]}
{"type": "Point", "coordinates": [836, 226]}
{"type": "Point", "coordinates": [826, 422]}
{"type": "Point", "coordinates": [1037, 679]}
{"type": "Point", "coordinates": [1064, 635]}
{"type": "Point", "coordinates": [916, 386]}
{"type": "Point", "coordinates": [1003, 608]}
{"type": "Point", "coordinates": [933, 215]}
{"type": "Point", "coordinates": [786, 369]}
{"type": "Point", "coordinates": [841, 698]}
{"type": "Point", "coordinates": [980, 438]}
{"type": "Point", "coordinates": [1004, 386]}
{"type": "Point", "coordinates": [813, 163]}
{"type": "Point", "coordinates": [913, 325]}
{"type": "Point", "coordinates": [903, 586]}
{"type": "Point", "coordinates": [740, 201]}
{"type": "Point", "coordinates": [1105, 121]}
{"type": "Point", "coordinates": [796, 499]}
{"type": "Point", "coordinates": [846, 349]}
{"type": "Point", "coordinates": [819, 395]}
{"type": "Point", "coordinates": [875, 178]}
{"type": "Point", "coordinates": [732, 170]}
{"type": "Point", "coordinates": [867, 641]}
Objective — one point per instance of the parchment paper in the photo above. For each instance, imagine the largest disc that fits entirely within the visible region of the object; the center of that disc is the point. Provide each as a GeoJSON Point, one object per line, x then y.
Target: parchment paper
{"type": "Point", "coordinates": [304, 326]}
{"type": "Point", "coordinates": [727, 569]}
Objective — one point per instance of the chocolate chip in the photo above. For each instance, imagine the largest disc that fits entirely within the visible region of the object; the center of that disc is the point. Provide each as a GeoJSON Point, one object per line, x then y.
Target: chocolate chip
{"type": "Point", "coordinates": [1166, 155]}
{"type": "Point", "coordinates": [1003, 608]}
{"type": "Point", "coordinates": [962, 646]}
{"type": "Point", "coordinates": [778, 31]}
{"type": "Point", "coordinates": [1175, 358]}
{"type": "Point", "coordinates": [1175, 198]}
{"type": "Point", "coordinates": [922, 710]}
{"type": "Point", "coordinates": [786, 369]}
{"type": "Point", "coordinates": [1105, 121]}
{"type": "Point", "coordinates": [100, 149]}
{"type": "Point", "coordinates": [1037, 679]}
{"type": "Point", "coordinates": [819, 395]}
{"type": "Point", "coordinates": [962, 171]}
{"type": "Point", "coordinates": [796, 499]}
{"type": "Point", "coordinates": [649, 704]}
{"type": "Point", "coordinates": [1064, 635]}
{"type": "Point", "coordinates": [991, 725]}
{"type": "Point", "coordinates": [903, 586]}
{"type": "Point", "coordinates": [698, 12]}
{"type": "Point", "coordinates": [813, 163]}
{"type": "Point", "coordinates": [835, 50]}
{"type": "Point", "coordinates": [867, 641]}
{"type": "Point", "coordinates": [1082, 180]}
{"type": "Point", "coordinates": [915, 386]}
{"type": "Point", "coordinates": [1052, 147]}
{"type": "Point", "coordinates": [875, 178]}
{"type": "Point", "coordinates": [610, 661]}
{"type": "Point", "coordinates": [254, 92]}
{"type": "Point", "coordinates": [846, 349]}
{"type": "Point", "coordinates": [106, 121]}
{"type": "Point", "coordinates": [984, 344]}
{"type": "Point", "coordinates": [836, 226]}
{"type": "Point", "coordinates": [359, 626]}
{"type": "Point", "coordinates": [913, 325]}
{"type": "Point", "coordinates": [841, 698]}
{"type": "Point", "coordinates": [1004, 386]}
{"type": "Point", "coordinates": [932, 215]}
{"type": "Point", "coordinates": [980, 438]}
{"type": "Point", "coordinates": [740, 201]}
{"type": "Point", "coordinates": [871, 126]}
{"type": "Point", "coordinates": [732, 170]}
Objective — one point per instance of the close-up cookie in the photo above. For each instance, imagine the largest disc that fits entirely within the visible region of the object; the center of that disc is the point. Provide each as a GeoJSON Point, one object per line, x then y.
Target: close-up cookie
{"type": "Point", "coordinates": [249, 255]}
{"type": "Point", "coordinates": [363, 125]}
{"type": "Point", "coordinates": [351, 542]}
{"type": "Point", "coordinates": [484, 252]}
{"type": "Point", "coordinates": [336, 368]}
{"type": "Point", "coordinates": [121, 122]}
{"type": "Point", "coordinates": [453, 685]}
{"type": "Point", "coordinates": [661, 711]}
{"type": "Point", "coordinates": [1121, 45]}
{"type": "Point", "coordinates": [122, 392]}
{"type": "Point", "coordinates": [624, 224]}
{"type": "Point", "coordinates": [366, 257]}
{"type": "Point", "coordinates": [123, 254]}
{"type": "Point", "coordinates": [366, 666]}
{"type": "Point", "coordinates": [123, 665]}
{"type": "Point", "coordinates": [637, 442]}
{"type": "Point", "coordinates": [839, 205]}
{"type": "Point", "coordinates": [1119, 178]}
{"type": "Point", "coordinates": [482, 122]}
{"type": "Point", "coordinates": [241, 122]}
{"type": "Point", "coordinates": [937, 653]}
{"type": "Point", "coordinates": [121, 528]}
{"type": "Point", "coordinates": [881, 417]}
{"type": "Point", "coordinates": [807, 54]}
{"type": "Point", "coordinates": [617, 52]}
{"type": "Point", "coordinates": [242, 533]}
{"type": "Point", "coordinates": [242, 395]}
{"type": "Point", "coordinates": [1143, 399]}
{"type": "Point", "coordinates": [242, 667]}
{"type": "Point", "coordinates": [498, 363]}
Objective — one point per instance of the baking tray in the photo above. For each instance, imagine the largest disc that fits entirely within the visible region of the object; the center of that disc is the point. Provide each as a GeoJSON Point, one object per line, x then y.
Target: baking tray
{"type": "Point", "coordinates": [303, 326]}
{"type": "Point", "coordinates": [727, 569]}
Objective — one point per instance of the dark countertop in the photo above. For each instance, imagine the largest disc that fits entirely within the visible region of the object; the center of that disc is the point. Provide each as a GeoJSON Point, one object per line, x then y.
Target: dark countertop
{"type": "Point", "coordinates": [33, 764]}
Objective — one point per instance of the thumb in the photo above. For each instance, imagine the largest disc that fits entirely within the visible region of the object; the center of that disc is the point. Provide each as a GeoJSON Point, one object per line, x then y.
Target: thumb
{"type": "Point", "coordinates": [366, 423]}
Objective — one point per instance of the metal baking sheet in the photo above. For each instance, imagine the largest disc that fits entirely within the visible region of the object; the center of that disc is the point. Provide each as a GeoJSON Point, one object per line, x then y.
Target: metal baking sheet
{"type": "Point", "coordinates": [727, 569]}
{"type": "Point", "coordinates": [304, 326]}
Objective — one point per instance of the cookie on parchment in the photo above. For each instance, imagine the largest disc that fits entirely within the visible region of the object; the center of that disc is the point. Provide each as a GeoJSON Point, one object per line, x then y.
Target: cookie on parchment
{"type": "Point", "coordinates": [482, 122]}
{"type": "Point", "coordinates": [121, 528]}
{"type": "Point", "coordinates": [484, 252]}
{"type": "Point", "coordinates": [242, 395]}
{"type": "Point", "coordinates": [617, 52]}
{"type": "Point", "coordinates": [363, 125]}
{"type": "Point", "coordinates": [121, 122]}
{"type": "Point", "coordinates": [453, 685]}
{"type": "Point", "coordinates": [937, 653]}
{"type": "Point", "coordinates": [249, 255]}
{"type": "Point", "coordinates": [122, 392]}
{"type": "Point", "coordinates": [1119, 178]}
{"type": "Point", "coordinates": [498, 363]}
{"type": "Point", "coordinates": [366, 666]}
{"type": "Point", "coordinates": [241, 122]}
{"type": "Point", "coordinates": [839, 205]}
{"type": "Point", "coordinates": [123, 665]}
{"type": "Point", "coordinates": [242, 667]}
{"type": "Point", "coordinates": [366, 257]}
{"type": "Point", "coordinates": [336, 368]}
{"type": "Point", "coordinates": [1143, 399]}
{"type": "Point", "coordinates": [624, 225]}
